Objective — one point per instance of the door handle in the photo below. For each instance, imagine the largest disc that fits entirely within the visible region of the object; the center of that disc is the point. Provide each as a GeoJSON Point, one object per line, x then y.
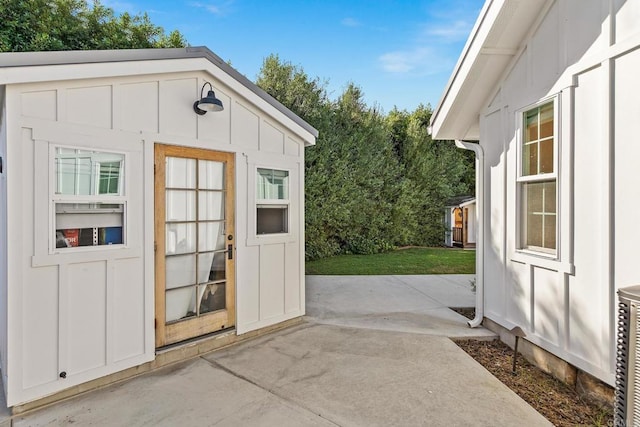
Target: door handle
{"type": "Point", "coordinates": [230, 251]}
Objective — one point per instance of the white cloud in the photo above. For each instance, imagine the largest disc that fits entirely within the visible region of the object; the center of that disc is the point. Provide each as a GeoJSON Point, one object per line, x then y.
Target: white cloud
{"type": "Point", "coordinates": [215, 7]}
{"type": "Point", "coordinates": [416, 61]}
{"type": "Point", "coordinates": [450, 32]}
{"type": "Point", "coordinates": [351, 22]}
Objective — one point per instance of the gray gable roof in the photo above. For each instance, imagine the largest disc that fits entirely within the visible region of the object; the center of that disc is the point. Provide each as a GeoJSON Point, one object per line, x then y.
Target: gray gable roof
{"type": "Point", "coordinates": [27, 59]}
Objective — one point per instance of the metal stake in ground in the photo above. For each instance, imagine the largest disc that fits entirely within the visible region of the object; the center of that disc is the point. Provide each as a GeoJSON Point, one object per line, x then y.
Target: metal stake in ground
{"type": "Point", "coordinates": [518, 332]}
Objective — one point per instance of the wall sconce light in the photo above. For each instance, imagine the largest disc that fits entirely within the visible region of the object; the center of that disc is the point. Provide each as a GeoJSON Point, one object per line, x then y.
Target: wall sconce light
{"type": "Point", "coordinates": [208, 103]}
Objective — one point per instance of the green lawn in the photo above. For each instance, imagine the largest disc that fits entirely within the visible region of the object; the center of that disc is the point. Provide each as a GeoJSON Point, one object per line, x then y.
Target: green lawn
{"type": "Point", "coordinates": [402, 261]}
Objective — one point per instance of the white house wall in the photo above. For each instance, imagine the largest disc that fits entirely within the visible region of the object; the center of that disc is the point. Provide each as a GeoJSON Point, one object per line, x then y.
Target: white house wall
{"type": "Point", "coordinates": [589, 59]}
{"type": "Point", "coordinates": [90, 313]}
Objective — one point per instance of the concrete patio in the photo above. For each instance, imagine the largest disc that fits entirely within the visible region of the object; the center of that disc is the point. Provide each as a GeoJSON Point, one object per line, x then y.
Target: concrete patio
{"type": "Point", "coordinates": [373, 351]}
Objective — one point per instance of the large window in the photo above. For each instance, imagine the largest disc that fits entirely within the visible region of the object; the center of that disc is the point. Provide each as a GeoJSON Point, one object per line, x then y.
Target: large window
{"type": "Point", "coordinates": [537, 179]}
{"type": "Point", "coordinates": [272, 193]}
{"type": "Point", "coordinates": [88, 202]}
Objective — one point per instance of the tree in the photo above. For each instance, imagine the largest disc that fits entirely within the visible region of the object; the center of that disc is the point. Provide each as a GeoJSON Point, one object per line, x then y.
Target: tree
{"type": "Point", "coordinates": [372, 182]}
{"type": "Point", "coordinates": [40, 25]}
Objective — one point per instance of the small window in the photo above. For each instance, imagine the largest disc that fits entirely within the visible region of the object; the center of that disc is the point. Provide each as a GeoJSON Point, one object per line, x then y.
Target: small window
{"type": "Point", "coordinates": [537, 180]}
{"type": "Point", "coordinates": [88, 204]}
{"type": "Point", "coordinates": [272, 207]}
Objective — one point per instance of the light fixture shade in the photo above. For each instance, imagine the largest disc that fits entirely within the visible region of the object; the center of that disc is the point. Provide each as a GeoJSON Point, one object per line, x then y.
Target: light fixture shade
{"type": "Point", "coordinates": [207, 103]}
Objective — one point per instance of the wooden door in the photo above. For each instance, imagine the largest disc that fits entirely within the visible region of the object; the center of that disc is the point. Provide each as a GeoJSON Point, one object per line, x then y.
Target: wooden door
{"type": "Point", "coordinates": [194, 234]}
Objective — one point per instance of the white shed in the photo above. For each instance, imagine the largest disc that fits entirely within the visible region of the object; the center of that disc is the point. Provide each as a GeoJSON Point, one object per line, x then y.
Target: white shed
{"type": "Point", "coordinates": [460, 222]}
{"type": "Point", "coordinates": [549, 89]}
{"type": "Point", "coordinates": [130, 221]}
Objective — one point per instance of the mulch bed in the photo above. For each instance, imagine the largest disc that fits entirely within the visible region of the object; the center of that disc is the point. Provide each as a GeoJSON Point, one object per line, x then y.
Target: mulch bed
{"type": "Point", "coordinates": [556, 401]}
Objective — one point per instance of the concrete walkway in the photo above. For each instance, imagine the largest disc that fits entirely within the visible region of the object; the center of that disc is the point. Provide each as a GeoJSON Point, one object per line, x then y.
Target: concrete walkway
{"type": "Point", "coordinates": [373, 352]}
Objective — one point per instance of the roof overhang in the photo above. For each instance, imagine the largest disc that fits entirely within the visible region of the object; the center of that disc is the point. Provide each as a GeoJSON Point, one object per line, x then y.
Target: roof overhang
{"type": "Point", "coordinates": [29, 67]}
{"type": "Point", "coordinates": [496, 39]}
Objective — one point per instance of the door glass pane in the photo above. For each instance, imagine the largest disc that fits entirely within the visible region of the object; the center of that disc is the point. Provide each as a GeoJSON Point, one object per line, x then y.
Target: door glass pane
{"type": "Point", "coordinates": [212, 297]}
{"type": "Point", "coordinates": [212, 266]}
{"type": "Point", "coordinates": [205, 261]}
{"type": "Point", "coordinates": [210, 236]}
{"type": "Point", "coordinates": [180, 271]}
{"type": "Point", "coordinates": [210, 175]}
{"type": "Point", "coordinates": [181, 205]}
{"type": "Point", "coordinates": [210, 205]}
{"type": "Point", "coordinates": [180, 173]}
{"type": "Point", "coordinates": [181, 238]}
{"type": "Point", "coordinates": [180, 303]}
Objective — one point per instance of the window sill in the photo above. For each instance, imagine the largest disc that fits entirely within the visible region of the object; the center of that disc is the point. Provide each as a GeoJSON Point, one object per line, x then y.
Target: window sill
{"type": "Point", "coordinates": [542, 260]}
{"type": "Point", "coordinates": [93, 253]}
{"type": "Point", "coordinates": [268, 239]}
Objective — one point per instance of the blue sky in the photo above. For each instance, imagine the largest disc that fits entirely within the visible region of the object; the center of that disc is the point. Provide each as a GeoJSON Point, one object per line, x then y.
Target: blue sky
{"type": "Point", "coordinates": [401, 53]}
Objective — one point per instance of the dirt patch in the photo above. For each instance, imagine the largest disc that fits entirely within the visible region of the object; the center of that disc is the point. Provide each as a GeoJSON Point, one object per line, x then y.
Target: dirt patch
{"type": "Point", "coordinates": [556, 401]}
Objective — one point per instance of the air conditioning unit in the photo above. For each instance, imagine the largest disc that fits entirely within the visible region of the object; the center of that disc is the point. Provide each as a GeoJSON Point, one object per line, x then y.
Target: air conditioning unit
{"type": "Point", "coordinates": [627, 395]}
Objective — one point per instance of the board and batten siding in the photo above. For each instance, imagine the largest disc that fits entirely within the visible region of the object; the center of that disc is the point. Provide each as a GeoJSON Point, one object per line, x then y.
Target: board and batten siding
{"type": "Point", "coordinates": [89, 312]}
{"type": "Point", "coordinates": [587, 54]}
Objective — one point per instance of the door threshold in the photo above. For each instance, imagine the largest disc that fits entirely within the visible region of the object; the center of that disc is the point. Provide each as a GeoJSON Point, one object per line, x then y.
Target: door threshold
{"type": "Point", "coordinates": [197, 340]}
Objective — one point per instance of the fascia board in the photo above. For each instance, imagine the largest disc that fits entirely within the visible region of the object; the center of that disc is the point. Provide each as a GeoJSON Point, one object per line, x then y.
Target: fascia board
{"type": "Point", "coordinates": [480, 65]}
{"type": "Point", "coordinates": [468, 57]}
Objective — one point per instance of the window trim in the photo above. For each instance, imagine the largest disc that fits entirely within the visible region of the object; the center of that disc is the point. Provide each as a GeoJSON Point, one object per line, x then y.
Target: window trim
{"type": "Point", "coordinates": [539, 252]}
{"type": "Point", "coordinates": [110, 198]}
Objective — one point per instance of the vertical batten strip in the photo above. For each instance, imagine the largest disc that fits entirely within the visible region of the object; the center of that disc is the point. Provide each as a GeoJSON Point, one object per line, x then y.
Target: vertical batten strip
{"type": "Point", "coordinates": [63, 327]}
{"type": "Point", "coordinates": [110, 306]}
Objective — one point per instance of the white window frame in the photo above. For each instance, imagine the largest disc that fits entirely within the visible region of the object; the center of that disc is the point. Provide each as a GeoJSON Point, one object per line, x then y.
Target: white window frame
{"type": "Point", "coordinates": [521, 180]}
{"type": "Point", "coordinates": [55, 199]}
{"type": "Point", "coordinates": [275, 203]}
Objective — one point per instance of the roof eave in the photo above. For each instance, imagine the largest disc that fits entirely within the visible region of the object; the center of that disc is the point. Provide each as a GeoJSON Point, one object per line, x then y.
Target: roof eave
{"type": "Point", "coordinates": [484, 59]}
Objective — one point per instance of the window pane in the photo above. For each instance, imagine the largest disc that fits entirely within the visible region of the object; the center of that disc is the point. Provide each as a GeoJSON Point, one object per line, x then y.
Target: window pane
{"type": "Point", "coordinates": [180, 173]}
{"type": "Point", "coordinates": [180, 205]}
{"type": "Point", "coordinates": [210, 205]}
{"type": "Point", "coordinates": [272, 219]}
{"type": "Point", "coordinates": [88, 224]}
{"type": "Point", "coordinates": [180, 303]}
{"type": "Point", "coordinates": [180, 271]}
{"type": "Point", "coordinates": [534, 197]}
{"type": "Point", "coordinates": [546, 120]}
{"type": "Point", "coordinates": [530, 159]}
{"type": "Point", "coordinates": [531, 125]}
{"type": "Point", "coordinates": [212, 266]}
{"type": "Point", "coordinates": [546, 156]}
{"type": "Point", "coordinates": [272, 184]}
{"type": "Point", "coordinates": [210, 175]}
{"type": "Point", "coordinates": [550, 197]}
{"type": "Point", "coordinates": [539, 205]}
{"type": "Point", "coordinates": [549, 232]}
{"type": "Point", "coordinates": [180, 238]}
{"type": "Point", "coordinates": [534, 230]}
{"type": "Point", "coordinates": [211, 236]}
{"type": "Point", "coordinates": [109, 178]}
{"type": "Point", "coordinates": [212, 297]}
{"type": "Point", "coordinates": [85, 173]}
